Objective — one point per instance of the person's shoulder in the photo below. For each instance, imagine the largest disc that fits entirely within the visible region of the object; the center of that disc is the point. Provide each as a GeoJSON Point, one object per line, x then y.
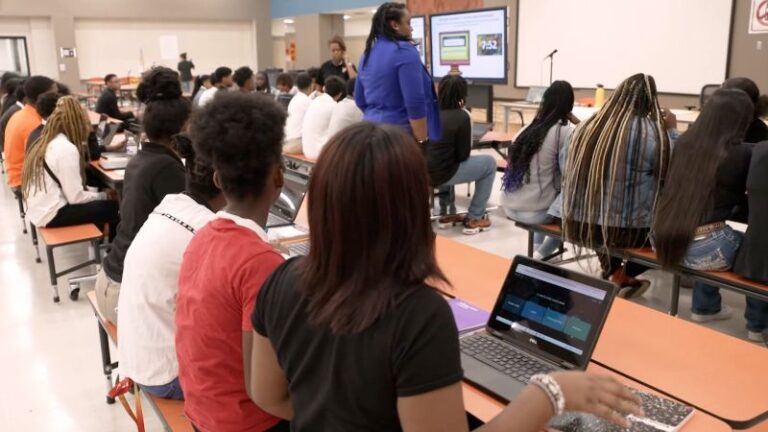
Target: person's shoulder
{"type": "Point", "coordinates": [426, 301]}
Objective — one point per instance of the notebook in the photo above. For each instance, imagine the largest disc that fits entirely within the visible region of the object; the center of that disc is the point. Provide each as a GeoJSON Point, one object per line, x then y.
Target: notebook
{"type": "Point", "coordinates": [468, 317]}
{"type": "Point", "coordinates": [662, 415]}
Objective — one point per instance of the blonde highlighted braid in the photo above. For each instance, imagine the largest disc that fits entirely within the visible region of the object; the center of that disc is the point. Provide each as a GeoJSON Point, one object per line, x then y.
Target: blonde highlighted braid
{"type": "Point", "coordinates": [598, 159]}
{"type": "Point", "coordinates": [69, 119]}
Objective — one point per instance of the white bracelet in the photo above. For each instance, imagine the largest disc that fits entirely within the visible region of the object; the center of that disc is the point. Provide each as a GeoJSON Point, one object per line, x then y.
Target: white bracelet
{"type": "Point", "coordinates": [552, 389]}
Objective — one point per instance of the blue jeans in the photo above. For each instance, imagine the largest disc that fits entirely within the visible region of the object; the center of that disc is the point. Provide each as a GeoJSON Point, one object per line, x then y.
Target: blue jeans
{"type": "Point", "coordinates": [480, 169]}
{"type": "Point", "coordinates": [172, 390]}
{"type": "Point", "coordinates": [542, 244]}
{"type": "Point", "coordinates": [715, 252]}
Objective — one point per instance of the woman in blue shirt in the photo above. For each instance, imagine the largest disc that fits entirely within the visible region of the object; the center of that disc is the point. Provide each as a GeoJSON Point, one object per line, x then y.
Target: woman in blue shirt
{"type": "Point", "coordinates": [393, 86]}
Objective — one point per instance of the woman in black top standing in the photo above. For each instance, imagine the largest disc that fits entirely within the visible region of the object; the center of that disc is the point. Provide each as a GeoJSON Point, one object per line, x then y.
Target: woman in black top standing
{"type": "Point", "coordinates": [758, 130]}
{"type": "Point", "coordinates": [155, 171]}
{"type": "Point", "coordinates": [752, 262]}
{"type": "Point", "coordinates": [706, 186]}
{"type": "Point", "coordinates": [352, 337]}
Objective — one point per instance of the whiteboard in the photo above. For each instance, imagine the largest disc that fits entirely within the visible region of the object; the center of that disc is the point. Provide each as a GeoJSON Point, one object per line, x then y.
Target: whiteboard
{"type": "Point", "coordinates": [682, 43]}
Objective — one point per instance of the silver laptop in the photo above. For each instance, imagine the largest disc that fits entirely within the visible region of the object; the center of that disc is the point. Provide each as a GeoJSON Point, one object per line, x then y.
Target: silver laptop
{"type": "Point", "coordinates": [535, 94]}
{"type": "Point", "coordinates": [546, 318]}
{"type": "Point", "coordinates": [286, 208]}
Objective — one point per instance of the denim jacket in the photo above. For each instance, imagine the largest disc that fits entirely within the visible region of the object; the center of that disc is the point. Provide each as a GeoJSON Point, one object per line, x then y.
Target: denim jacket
{"type": "Point", "coordinates": [636, 188]}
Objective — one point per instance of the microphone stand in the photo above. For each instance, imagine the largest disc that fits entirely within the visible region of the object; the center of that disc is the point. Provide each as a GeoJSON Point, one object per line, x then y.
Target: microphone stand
{"type": "Point", "coordinates": [551, 57]}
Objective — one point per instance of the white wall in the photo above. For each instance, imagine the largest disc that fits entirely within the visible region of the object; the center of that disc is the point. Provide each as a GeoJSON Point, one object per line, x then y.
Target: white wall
{"type": "Point", "coordinates": [39, 34]}
{"type": "Point", "coordinates": [117, 46]}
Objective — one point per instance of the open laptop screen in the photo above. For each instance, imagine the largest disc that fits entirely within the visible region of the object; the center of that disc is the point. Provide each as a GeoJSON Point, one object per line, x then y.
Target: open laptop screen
{"type": "Point", "coordinates": [552, 311]}
{"type": "Point", "coordinates": [290, 199]}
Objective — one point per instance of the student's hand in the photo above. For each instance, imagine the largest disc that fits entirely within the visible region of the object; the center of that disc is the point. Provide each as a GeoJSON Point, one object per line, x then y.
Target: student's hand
{"type": "Point", "coordinates": [573, 119]}
{"type": "Point", "coordinates": [111, 194]}
{"type": "Point", "coordinates": [599, 395]}
{"type": "Point", "coordinates": [670, 119]}
{"type": "Point", "coordinates": [119, 146]}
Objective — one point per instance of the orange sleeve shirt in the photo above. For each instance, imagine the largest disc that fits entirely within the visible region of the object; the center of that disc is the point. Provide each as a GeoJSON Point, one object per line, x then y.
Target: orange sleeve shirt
{"type": "Point", "coordinates": [17, 132]}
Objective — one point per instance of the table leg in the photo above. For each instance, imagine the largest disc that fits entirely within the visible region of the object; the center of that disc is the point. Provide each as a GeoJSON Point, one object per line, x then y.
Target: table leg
{"type": "Point", "coordinates": [675, 295]}
{"type": "Point", "coordinates": [506, 118]}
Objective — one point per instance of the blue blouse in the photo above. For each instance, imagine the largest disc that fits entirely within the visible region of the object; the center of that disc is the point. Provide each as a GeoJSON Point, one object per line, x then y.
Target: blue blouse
{"type": "Point", "coordinates": [395, 87]}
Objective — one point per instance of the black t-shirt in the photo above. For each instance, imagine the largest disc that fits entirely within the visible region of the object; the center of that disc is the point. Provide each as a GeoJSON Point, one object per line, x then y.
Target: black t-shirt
{"type": "Point", "coordinates": [107, 105]}
{"type": "Point", "coordinates": [352, 382]}
{"type": "Point", "coordinates": [730, 194]}
{"type": "Point", "coordinates": [329, 69]}
{"type": "Point", "coordinates": [153, 173]}
{"type": "Point", "coordinates": [445, 155]}
{"type": "Point", "coordinates": [757, 132]}
{"type": "Point", "coordinates": [752, 261]}
{"type": "Point", "coordinates": [185, 70]}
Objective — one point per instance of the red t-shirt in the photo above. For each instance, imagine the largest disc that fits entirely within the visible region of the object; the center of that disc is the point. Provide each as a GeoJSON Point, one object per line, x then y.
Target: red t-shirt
{"type": "Point", "coordinates": [223, 269]}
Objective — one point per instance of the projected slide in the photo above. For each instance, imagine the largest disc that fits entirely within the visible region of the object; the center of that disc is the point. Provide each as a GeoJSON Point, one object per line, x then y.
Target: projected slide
{"type": "Point", "coordinates": [417, 23]}
{"type": "Point", "coordinates": [473, 42]}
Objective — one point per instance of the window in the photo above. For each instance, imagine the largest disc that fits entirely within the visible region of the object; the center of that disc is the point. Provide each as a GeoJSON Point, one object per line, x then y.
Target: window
{"type": "Point", "coordinates": [13, 55]}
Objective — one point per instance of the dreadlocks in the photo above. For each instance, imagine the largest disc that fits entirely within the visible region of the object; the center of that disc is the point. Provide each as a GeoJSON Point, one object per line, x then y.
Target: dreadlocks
{"type": "Point", "coordinates": [604, 165]}
{"type": "Point", "coordinates": [69, 119]}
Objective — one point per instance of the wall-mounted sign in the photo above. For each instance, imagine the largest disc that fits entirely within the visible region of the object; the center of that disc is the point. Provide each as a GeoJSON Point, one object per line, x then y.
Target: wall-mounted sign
{"type": "Point", "coordinates": [68, 52]}
{"type": "Point", "coordinates": [758, 18]}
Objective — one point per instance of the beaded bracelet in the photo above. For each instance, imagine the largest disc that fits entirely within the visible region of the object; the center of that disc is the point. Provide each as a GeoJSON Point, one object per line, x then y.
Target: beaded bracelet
{"type": "Point", "coordinates": [552, 389]}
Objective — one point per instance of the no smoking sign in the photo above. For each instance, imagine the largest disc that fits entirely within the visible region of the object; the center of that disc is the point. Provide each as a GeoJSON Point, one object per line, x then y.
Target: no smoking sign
{"type": "Point", "coordinates": [758, 20]}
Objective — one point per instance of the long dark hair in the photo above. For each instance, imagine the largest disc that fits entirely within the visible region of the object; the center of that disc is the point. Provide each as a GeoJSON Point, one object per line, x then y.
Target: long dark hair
{"type": "Point", "coordinates": [688, 191]}
{"type": "Point", "coordinates": [372, 240]}
{"type": "Point", "coordinates": [556, 104]}
{"type": "Point", "coordinates": [386, 13]}
{"type": "Point", "coordinates": [199, 84]}
{"type": "Point", "coordinates": [747, 86]}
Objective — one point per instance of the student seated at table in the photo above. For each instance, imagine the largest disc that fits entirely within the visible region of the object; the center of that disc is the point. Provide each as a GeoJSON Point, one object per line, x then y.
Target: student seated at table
{"type": "Point", "coordinates": [449, 159]}
{"type": "Point", "coordinates": [226, 263]}
{"type": "Point", "coordinates": [202, 83]}
{"type": "Point", "coordinates": [54, 173]}
{"type": "Point", "coordinates": [285, 89]}
{"type": "Point", "coordinates": [705, 186]}
{"type": "Point", "coordinates": [221, 79]}
{"type": "Point", "coordinates": [262, 83]}
{"type": "Point", "coordinates": [15, 103]}
{"type": "Point", "coordinates": [155, 171]}
{"type": "Point", "coordinates": [107, 102]}
{"type": "Point", "coordinates": [147, 302]}
{"type": "Point", "coordinates": [244, 79]}
{"type": "Point", "coordinates": [346, 112]}
{"type": "Point", "coordinates": [20, 125]}
{"type": "Point", "coordinates": [314, 129]}
{"type": "Point", "coordinates": [758, 130]}
{"type": "Point", "coordinates": [752, 260]}
{"type": "Point", "coordinates": [532, 179]}
{"type": "Point", "coordinates": [316, 87]}
{"type": "Point", "coordinates": [5, 78]}
{"type": "Point", "coordinates": [297, 110]}
{"type": "Point", "coordinates": [353, 337]}
{"type": "Point", "coordinates": [617, 162]}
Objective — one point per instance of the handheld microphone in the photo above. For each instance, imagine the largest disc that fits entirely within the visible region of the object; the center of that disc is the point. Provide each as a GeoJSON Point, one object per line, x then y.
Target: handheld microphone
{"type": "Point", "coordinates": [552, 53]}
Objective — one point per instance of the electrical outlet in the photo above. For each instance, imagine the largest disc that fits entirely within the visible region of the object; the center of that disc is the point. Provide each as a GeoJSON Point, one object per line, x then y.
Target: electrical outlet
{"type": "Point", "coordinates": [759, 45]}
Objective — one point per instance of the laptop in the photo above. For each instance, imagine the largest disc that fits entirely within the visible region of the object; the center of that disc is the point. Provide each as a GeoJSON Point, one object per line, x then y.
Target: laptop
{"type": "Point", "coordinates": [286, 208]}
{"type": "Point", "coordinates": [546, 318]}
{"type": "Point", "coordinates": [535, 94]}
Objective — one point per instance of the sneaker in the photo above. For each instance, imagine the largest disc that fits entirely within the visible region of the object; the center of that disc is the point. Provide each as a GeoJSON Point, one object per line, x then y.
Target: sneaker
{"type": "Point", "coordinates": [449, 221]}
{"type": "Point", "coordinates": [756, 336]}
{"type": "Point", "coordinates": [725, 314]}
{"type": "Point", "coordinates": [474, 226]}
{"type": "Point", "coordinates": [629, 287]}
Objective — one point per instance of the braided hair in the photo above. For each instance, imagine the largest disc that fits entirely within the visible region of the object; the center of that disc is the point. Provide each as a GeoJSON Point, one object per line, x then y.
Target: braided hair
{"type": "Point", "coordinates": [69, 119]}
{"type": "Point", "coordinates": [386, 13]}
{"type": "Point", "coordinates": [602, 155]}
{"type": "Point", "coordinates": [556, 104]}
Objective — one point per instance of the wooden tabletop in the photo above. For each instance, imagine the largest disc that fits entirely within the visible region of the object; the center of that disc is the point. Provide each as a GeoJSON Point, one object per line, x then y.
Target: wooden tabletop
{"type": "Point", "coordinates": [299, 156]}
{"type": "Point", "coordinates": [496, 137]}
{"type": "Point", "coordinates": [115, 176]}
{"type": "Point", "coordinates": [709, 370]}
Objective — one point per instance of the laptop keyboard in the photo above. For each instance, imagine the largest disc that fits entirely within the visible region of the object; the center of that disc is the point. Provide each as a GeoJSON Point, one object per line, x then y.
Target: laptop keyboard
{"type": "Point", "coordinates": [491, 351]}
{"type": "Point", "coordinates": [273, 220]}
{"type": "Point", "coordinates": [299, 249]}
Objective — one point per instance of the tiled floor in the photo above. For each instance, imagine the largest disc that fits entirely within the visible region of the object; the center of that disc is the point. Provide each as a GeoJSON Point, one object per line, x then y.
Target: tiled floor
{"type": "Point", "coordinates": [50, 365]}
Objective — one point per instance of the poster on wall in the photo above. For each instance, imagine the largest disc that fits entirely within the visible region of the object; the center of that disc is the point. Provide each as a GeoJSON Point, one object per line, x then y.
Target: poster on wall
{"type": "Point", "coordinates": [169, 47]}
{"type": "Point", "coordinates": [758, 17]}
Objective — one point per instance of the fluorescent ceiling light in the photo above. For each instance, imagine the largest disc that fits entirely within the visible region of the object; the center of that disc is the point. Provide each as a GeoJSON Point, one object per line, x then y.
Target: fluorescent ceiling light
{"type": "Point", "coordinates": [288, 21]}
{"type": "Point", "coordinates": [373, 11]}
{"type": "Point", "coordinates": [346, 17]}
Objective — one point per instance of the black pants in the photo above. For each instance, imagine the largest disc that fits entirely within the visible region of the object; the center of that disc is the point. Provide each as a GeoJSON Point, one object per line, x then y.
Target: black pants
{"type": "Point", "coordinates": [283, 426]}
{"type": "Point", "coordinates": [96, 212]}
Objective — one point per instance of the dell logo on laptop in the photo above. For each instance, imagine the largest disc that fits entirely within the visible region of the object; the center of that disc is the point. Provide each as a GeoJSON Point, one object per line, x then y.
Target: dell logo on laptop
{"type": "Point", "coordinates": [533, 341]}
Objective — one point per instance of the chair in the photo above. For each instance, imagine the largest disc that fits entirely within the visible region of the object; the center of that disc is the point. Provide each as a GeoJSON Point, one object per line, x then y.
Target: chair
{"type": "Point", "coordinates": [22, 213]}
{"type": "Point", "coordinates": [63, 236]}
{"type": "Point", "coordinates": [707, 91]}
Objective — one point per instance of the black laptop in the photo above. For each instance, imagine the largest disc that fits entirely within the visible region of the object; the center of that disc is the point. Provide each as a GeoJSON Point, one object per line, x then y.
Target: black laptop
{"type": "Point", "coordinates": [284, 211]}
{"type": "Point", "coordinates": [546, 318]}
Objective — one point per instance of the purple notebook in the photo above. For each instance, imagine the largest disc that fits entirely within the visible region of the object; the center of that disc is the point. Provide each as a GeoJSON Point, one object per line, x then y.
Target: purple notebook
{"type": "Point", "coordinates": [468, 317]}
